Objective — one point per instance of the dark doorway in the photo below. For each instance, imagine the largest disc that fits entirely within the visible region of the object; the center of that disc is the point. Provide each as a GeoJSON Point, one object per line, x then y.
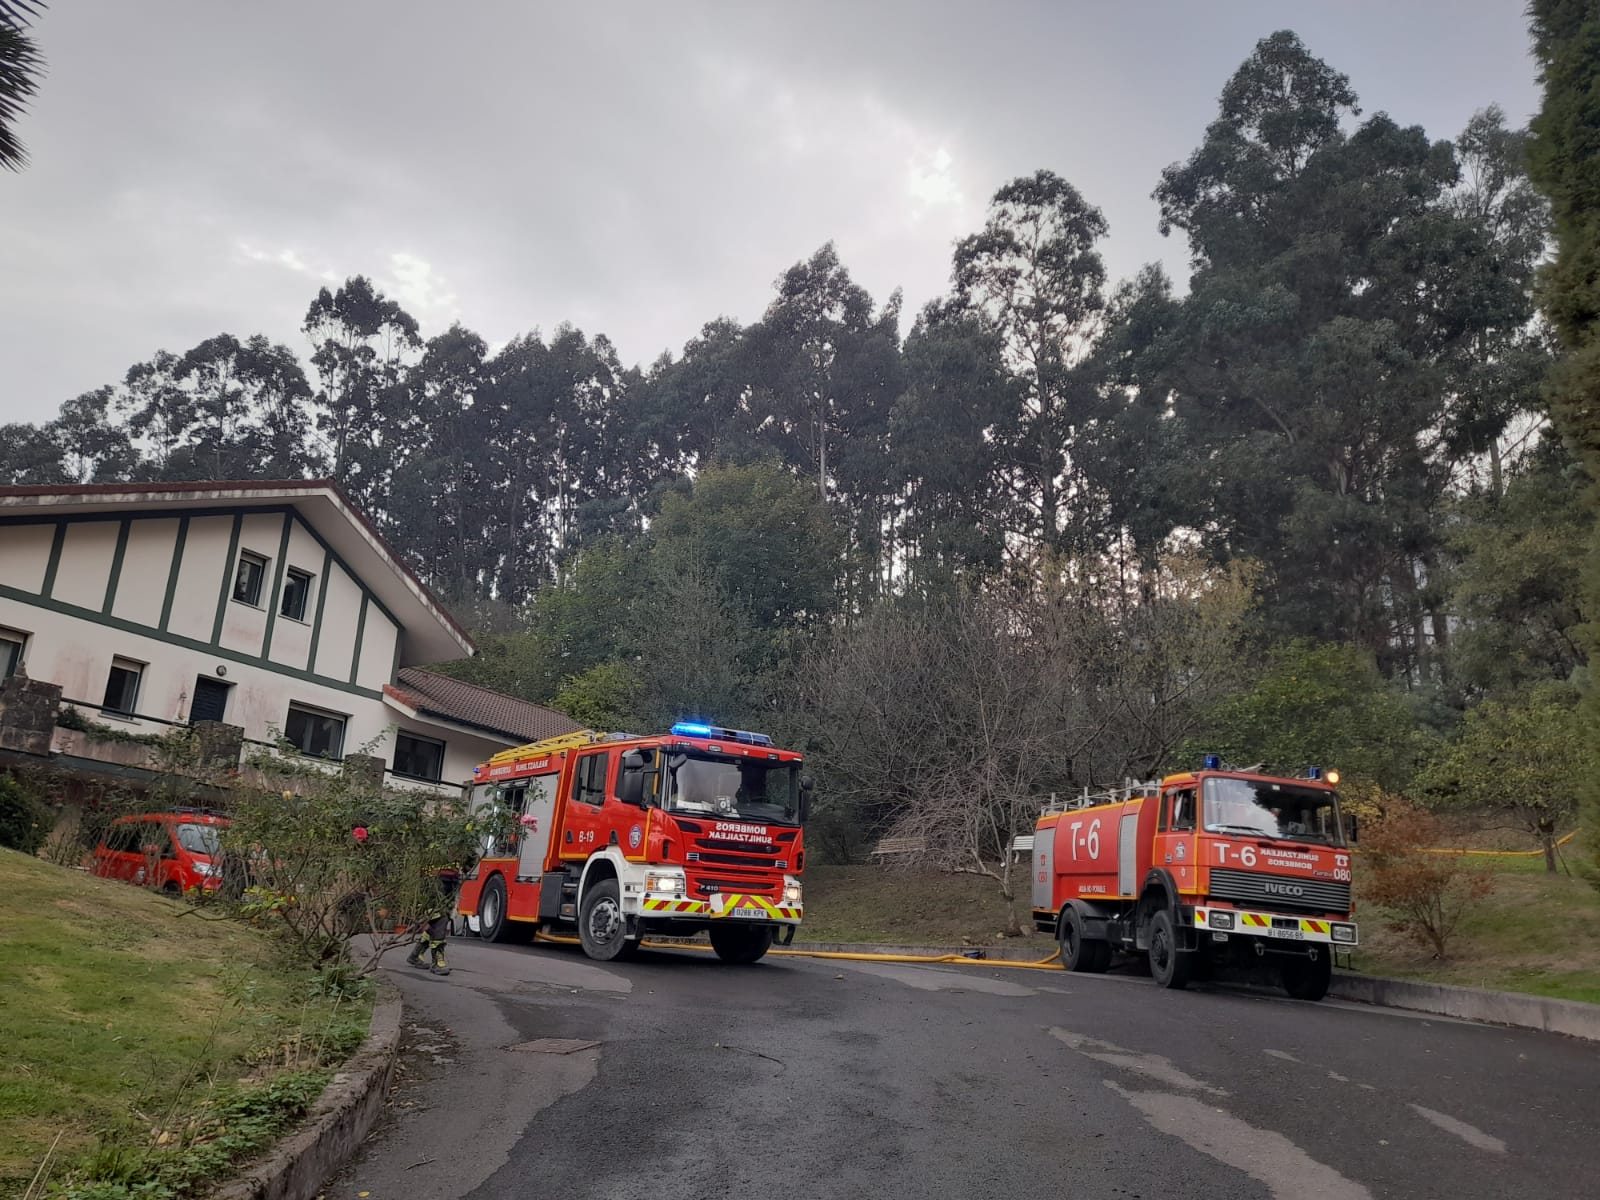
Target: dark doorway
{"type": "Point", "coordinates": [210, 700]}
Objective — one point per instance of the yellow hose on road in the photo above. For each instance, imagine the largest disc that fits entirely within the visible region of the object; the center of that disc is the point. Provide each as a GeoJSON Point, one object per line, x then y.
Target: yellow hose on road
{"type": "Point", "coordinates": [1043, 964]}
{"type": "Point", "coordinates": [959, 959]}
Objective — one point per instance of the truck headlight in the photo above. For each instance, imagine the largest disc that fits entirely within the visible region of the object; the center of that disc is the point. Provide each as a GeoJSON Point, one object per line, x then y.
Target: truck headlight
{"type": "Point", "coordinates": [664, 881]}
{"type": "Point", "coordinates": [204, 869]}
{"type": "Point", "coordinates": [1219, 920]}
{"type": "Point", "coordinates": [1344, 933]}
{"type": "Point", "coordinates": [791, 890]}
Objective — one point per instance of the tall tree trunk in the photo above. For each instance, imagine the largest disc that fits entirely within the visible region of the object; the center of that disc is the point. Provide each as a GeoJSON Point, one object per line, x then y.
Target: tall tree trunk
{"type": "Point", "coordinates": [822, 451]}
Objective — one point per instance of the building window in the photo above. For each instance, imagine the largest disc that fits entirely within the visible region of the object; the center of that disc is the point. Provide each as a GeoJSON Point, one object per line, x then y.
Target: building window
{"type": "Point", "coordinates": [418, 757]}
{"type": "Point", "coordinates": [314, 732]}
{"type": "Point", "coordinates": [296, 594]}
{"type": "Point", "coordinates": [12, 642]}
{"type": "Point", "coordinates": [122, 687]}
{"type": "Point", "coordinates": [248, 578]}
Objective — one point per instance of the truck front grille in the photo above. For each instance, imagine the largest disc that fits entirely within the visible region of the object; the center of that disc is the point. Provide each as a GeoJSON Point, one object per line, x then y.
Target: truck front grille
{"type": "Point", "coordinates": [1270, 891]}
{"type": "Point", "coordinates": [750, 856]}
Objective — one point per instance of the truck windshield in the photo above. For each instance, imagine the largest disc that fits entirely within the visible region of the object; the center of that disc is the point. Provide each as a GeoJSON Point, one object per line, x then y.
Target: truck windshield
{"type": "Point", "coordinates": [1274, 810]}
{"type": "Point", "coordinates": [753, 790]}
{"type": "Point", "coordinates": [199, 839]}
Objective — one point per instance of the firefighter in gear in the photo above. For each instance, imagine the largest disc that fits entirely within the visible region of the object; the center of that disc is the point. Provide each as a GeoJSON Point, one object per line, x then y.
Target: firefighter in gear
{"type": "Point", "coordinates": [428, 953]}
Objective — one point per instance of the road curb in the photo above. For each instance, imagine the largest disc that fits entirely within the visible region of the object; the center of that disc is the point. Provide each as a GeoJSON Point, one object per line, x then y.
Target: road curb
{"type": "Point", "coordinates": [297, 1167]}
{"type": "Point", "coordinates": [1570, 1017]}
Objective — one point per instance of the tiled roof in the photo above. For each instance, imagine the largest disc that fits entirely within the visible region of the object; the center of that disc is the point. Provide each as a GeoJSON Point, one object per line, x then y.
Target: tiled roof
{"type": "Point", "coordinates": [484, 708]}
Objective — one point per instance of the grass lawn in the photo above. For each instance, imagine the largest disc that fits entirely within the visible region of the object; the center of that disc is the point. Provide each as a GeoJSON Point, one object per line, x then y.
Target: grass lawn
{"type": "Point", "coordinates": [139, 1032]}
{"type": "Point", "coordinates": [1536, 933]}
{"type": "Point", "coordinates": [892, 904]}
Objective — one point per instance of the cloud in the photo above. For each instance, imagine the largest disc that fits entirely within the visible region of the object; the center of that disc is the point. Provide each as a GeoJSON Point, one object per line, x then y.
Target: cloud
{"type": "Point", "coordinates": [422, 292]}
{"type": "Point", "coordinates": [931, 183]}
{"type": "Point", "coordinates": [637, 169]}
{"type": "Point", "coordinates": [288, 259]}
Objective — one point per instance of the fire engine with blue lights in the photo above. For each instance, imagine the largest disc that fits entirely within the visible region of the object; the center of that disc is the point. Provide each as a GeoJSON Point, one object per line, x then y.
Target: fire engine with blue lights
{"type": "Point", "coordinates": [1206, 868]}
{"type": "Point", "coordinates": [618, 838]}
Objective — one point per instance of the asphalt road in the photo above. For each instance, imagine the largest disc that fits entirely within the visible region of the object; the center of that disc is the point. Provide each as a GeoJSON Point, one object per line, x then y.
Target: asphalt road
{"type": "Point", "coordinates": [816, 1079]}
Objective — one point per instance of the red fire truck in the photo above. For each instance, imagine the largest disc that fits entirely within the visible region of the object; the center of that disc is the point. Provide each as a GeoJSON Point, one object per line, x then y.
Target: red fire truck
{"type": "Point", "coordinates": [1205, 868]}
{"type": "Point", "coordinates": [623, 837]}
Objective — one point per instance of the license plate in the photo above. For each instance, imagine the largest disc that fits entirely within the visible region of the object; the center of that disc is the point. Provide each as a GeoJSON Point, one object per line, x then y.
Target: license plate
{"type": "Point", "coordinates": [747, 912]}
{"type": "Point", "coordinates": [1293, 934]}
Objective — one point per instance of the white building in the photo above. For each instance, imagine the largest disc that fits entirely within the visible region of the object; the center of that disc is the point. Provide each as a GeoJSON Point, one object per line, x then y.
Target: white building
{"type": "Point", "coordinates": [275, 607]}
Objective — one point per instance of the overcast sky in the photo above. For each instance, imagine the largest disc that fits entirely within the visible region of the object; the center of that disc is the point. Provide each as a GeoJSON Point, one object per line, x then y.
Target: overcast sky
{"type": "Point", "coordinates": [636, 169]}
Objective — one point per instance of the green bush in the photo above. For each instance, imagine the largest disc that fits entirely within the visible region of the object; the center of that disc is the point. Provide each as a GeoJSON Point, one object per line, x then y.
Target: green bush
{"type": "Point", "coordinates": [25, 821]}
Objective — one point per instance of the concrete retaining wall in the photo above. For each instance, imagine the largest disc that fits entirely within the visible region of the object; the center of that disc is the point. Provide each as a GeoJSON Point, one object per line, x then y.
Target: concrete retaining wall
{"type": "Point", "coordinates": [345, 1113]}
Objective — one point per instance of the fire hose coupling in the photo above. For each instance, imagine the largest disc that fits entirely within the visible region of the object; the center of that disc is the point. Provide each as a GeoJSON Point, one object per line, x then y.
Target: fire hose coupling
{"type": "Point", "coordinates": [670, 882]}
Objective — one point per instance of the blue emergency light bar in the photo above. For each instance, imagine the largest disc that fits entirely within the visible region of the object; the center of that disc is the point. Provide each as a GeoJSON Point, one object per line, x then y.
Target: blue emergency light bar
{"type": "Point", "coordinates": [1213, 762]}
{"type": "Point", "coordinates": [695, 730]}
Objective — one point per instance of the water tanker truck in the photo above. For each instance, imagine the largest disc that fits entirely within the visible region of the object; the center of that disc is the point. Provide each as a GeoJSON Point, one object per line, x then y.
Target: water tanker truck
{"type": "Point", "coordinates": [1206, 868]}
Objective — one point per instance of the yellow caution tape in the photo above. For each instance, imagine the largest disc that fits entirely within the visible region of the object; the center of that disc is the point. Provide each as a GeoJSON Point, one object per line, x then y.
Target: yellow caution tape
{"type": "Point", "coordinates": [1490, 853]}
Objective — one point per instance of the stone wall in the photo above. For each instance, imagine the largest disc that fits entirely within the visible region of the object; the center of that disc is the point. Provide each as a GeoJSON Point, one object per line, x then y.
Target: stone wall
{"type": "Point", "coordinates": [28, 709]}
{"type": "Point", "coordinates": [220, 744]}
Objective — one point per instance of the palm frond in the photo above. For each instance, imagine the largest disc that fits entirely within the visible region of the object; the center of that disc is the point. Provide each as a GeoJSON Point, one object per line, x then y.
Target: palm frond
{"type": "Point", "coordinates": [17, 13]}
{"type": "Point", "coordinates": [20, 67]}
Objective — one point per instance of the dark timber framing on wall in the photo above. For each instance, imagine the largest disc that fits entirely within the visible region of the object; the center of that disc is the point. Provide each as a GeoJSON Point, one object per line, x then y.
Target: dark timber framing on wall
{"type": "Point", "coordinates": [230, 564]}
{"type": "Point", "coordinates": [172, 574]}
{"type": "Point", "coordinates": [49, 586]}
{"type": "Point", "coordinates": [117, 556]}
{"type": "Point", "coordinates": [275, 598]}
{"type": "Point", "coordinates": [161, 632]}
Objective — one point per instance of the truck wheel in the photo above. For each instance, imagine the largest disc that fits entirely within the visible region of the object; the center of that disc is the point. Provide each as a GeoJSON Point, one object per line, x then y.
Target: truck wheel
{"type": "Point", "coordinates": [1078, 954]}
{"type": "Point", "coordinates": [601, 927]}
{"type": "Point", "coordinates": [742, 945]}
{"type": "Point", "coordinates": [1169, 965]}
{"type": "Point", "coordinates": [493, 923]}
{"type": "Point", "coordinates": [1308, 979]}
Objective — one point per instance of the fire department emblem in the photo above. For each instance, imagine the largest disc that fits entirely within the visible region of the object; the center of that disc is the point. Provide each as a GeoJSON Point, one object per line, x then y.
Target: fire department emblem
{"type": "Point", "coordinates": [635, 836]}
{"type": "Point", "coordinates": [1180, 849]}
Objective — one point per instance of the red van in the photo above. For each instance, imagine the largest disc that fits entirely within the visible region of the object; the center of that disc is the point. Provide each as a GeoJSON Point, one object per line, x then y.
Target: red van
{"type": "Point", "coordinates": [172, 851]}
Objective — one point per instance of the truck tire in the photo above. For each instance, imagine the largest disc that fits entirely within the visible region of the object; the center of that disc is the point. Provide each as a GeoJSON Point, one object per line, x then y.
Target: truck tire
{"type": "Point", "coordinates": [601, 926]}
{"type": "Point", "coordinates": [494, 925]}
{"type": "Point", "coordinates": [1169, 965]}
{"type": "Point", "coordinates": [741, 944]}
{"type": "Point", "coordinates": [1308, 979]}
{"type": "Point", "coordinates": [1077, 953]}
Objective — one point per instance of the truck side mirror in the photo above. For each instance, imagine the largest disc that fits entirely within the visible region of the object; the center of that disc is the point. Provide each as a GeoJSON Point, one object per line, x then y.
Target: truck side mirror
{"type": "Point", "coordinates": [807, 784]}
{"type": "Point", "coordinates": [1355, 829]}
